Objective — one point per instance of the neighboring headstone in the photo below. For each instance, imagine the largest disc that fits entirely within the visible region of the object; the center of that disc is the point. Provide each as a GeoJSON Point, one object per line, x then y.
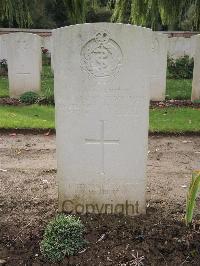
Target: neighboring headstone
{"type": "Point", "coordinates": [196, 72]}
{"type": "Point", "coordinates": [3, 47]}
{"type": "Point", "coordinates": [101, 74]}
{"type": "Point", "coordinates": [179, 47]}
{"type": "Point", "coordinates": [159, 66]}
{"type": "Point", "coordinates": [24, 63]}
{"type": "Point", "coordinates": [192, 42]}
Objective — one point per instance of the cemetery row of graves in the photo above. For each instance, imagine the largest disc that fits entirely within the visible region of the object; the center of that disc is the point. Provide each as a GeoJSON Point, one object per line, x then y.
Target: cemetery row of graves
{"type": "Point", "coordinates": [126, 188]}
{"type": "Point", "coordinates": [171, 81]}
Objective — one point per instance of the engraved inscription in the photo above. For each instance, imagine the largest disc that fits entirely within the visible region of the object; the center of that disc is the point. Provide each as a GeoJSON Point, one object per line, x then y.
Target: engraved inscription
{"type": "Point", "coordinates": [101, 57]}
{"type": "Point", "coordinates": [102, 141]}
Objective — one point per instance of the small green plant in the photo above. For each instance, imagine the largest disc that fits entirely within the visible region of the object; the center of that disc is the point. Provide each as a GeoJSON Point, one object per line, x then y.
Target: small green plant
{"type": "Point", "coordinates": [29, 97]}
{"type": "Point", "coordinates": [180, 68]}
{"type": "Point", "coordinates": [63, 236]}
{"type": "Point", "coordinates": [191, 196]}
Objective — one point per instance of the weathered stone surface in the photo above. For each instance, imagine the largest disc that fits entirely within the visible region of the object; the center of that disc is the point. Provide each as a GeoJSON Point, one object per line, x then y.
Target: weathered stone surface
{"type": "Point", "coordinates": [24, 63]}
{"type": "Point", "coordinates": [102, 73]}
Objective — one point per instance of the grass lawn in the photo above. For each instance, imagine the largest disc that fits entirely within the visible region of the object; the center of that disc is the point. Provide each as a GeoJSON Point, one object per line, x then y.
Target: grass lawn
{"type": "Point", "coordinates": [47, 82]}
{"type": "Point", "coordinates": [178, 89]}
{"type": "Point", "coordinates": [168, 120]}
{"type": "Point", "coordinates": [4, 87]}
{"type": "Point", "coordinates": [175, 120]}
{"type": "Point", "coordinates": [32, 116]}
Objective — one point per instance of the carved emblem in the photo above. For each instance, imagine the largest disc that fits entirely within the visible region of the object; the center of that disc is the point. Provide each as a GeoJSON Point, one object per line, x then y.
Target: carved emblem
{"type": "Point", "coordinates": [101, 56]}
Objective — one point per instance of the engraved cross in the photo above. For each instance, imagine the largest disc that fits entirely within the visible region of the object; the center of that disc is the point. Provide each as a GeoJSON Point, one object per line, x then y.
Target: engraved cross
{"type": "Point", "coordinates": [102, 141]}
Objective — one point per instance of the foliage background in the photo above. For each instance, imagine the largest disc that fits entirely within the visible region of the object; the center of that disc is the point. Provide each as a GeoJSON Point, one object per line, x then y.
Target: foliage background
{"type": "Point", "coordinates": [157, 14]}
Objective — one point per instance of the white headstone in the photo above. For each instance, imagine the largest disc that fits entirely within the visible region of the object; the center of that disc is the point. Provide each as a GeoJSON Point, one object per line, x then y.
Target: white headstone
{"type": "Point", "coordinates": [102, 104]}
{"type": "Point", "coordinates": [24, 63]}
{"type": "Point", "coordinates": [159, 66]}
{"type": "Point", "coordinates": [196, 72]}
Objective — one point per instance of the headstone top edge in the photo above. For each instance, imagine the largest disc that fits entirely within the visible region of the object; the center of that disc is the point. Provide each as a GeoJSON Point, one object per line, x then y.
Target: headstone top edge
{"type": "Point", "coordinates": [103, 24]}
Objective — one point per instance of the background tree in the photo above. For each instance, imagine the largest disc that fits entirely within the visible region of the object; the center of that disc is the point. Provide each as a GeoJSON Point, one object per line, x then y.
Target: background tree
{"type": "Point", "coordinates": [43, 14]}
{"type": "Point", "coordinates": [99, 11]}
{"type": "Point", "coordinates": [16, 12]}
{"type": "Point", "coordinates": [159, 14]}
{"type": "Point", "coordinates": [156, 14]}
{"type": "Point", "coordinates": [76, 10]}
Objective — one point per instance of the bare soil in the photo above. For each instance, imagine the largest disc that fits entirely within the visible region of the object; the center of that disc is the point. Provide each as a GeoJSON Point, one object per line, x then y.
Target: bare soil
{"type": "Point", "coordinates": [174, 103]}
{"type": "Point", "coordinates": [28, 200]}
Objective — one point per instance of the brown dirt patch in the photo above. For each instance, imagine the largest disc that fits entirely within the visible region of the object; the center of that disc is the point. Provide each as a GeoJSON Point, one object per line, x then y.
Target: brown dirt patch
{"type": "Point", "coordinates": [28, 199]}
{"type": "Point", "coordinates": [9, 101]}
{"type": "Point", "coordinates": [153, 104]}
{"type": "Point", "coordinates": [174, 103]}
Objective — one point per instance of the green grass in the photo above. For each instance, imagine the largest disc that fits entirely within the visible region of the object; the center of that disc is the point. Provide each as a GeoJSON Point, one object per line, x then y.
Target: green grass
{"type": "Point", "coordinates": [4, 87]}
{"type": "Point", "coordinates": [179, 89]}
{"type": "Point", "coordinates": [175, 120]}
{"type": "Point", "coordinates": [166, 120]}
{"type": "Point", "coordinates": [32, 116]}
{"type": "Point", "coordinates": [46, 83]}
